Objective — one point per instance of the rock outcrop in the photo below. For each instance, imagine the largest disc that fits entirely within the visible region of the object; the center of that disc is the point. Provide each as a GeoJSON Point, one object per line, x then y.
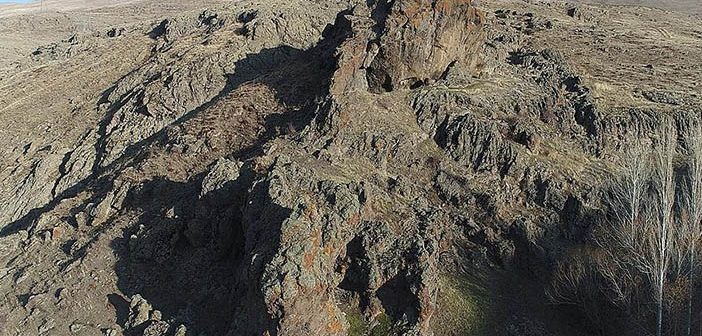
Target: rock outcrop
{"type": "Point", "coordinates": [418, 41]}
{"type": "Point", "coordinates": [407, 44]}
{"type": "Point", "coordinates": [407, 167]}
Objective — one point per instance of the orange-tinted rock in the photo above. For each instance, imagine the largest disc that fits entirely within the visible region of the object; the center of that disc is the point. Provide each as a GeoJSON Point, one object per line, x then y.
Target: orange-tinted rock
{"type": "Point", "coordinates": [405, 44]}
{"type": "Point", "coordinates": [421, 39]}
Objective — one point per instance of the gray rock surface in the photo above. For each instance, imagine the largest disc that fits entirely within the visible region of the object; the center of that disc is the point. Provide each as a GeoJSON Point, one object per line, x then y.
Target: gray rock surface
{"type": "Point", "coordinates": [322, 167]}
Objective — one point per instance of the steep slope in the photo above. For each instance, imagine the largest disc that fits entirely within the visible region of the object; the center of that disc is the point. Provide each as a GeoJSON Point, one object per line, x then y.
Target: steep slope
{"type": "Point", "coordinates": [305, 167]}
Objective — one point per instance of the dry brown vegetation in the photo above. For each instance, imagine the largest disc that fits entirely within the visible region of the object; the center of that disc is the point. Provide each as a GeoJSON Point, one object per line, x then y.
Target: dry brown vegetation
{"type": "Point", "coordinates": [646, 250]}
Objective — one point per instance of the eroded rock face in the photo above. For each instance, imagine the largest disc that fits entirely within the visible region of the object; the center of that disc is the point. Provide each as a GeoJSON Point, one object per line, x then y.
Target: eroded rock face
{"type": "Point", "coordinates": [419, 40]}
{"type": "Point", "coordinates": [296, 257]}
{"type": "Point", "coordinates": [406, 44]}
{"type": "Point", "coordinates": [273, 172]}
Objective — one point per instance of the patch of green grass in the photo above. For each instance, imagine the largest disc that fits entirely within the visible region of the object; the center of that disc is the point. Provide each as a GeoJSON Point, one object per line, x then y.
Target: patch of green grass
{"type": "Point", "coordinates": [488, 302]}
{"type": "Point", "coordinates": [463, 307]}
{"type": "Point", "coordinates": [357, 326]}
{"type": "Point", "coordinates": [384, 326]}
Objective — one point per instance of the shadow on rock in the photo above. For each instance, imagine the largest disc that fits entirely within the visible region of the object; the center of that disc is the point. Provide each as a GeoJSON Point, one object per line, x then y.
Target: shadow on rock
{"type": "Point", "coordinates": [183, 247]}
{"type": "Point", "coordinates": [183, 255]}
{"type": "Point", "coordinates": [297, 77]}
{"type": "Point", "coordinates": [187, 254]}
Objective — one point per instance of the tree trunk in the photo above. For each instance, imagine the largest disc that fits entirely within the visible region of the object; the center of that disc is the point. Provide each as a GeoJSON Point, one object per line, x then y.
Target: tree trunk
{"type": "Point", "coordinates": [659, 315]}
{"type": "Point", "coordinates": [690, 289]}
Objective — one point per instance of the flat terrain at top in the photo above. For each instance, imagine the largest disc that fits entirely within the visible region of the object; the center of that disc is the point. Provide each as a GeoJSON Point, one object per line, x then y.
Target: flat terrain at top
{"type": "Point", "coordinates": [58, 5]}
{"type": "Point", "coordinates": [692, 6]}
{"type": "Point", "coordinates": [24, 27]}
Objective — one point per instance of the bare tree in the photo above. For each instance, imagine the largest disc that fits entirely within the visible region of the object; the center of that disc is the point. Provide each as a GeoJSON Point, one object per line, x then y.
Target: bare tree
{"type": "Point", "coordinates": [659, 242]}
{"type": "Point", "coordinates": [692, 204]}
{"type": "Point", "coordinates": [576, 282]}
{"type": "Point", "coordinates": [650, 238]}
{"type": "Point", "coordinates": [623, 239]}
{"type": "Point", "coordinates": [640, 239]}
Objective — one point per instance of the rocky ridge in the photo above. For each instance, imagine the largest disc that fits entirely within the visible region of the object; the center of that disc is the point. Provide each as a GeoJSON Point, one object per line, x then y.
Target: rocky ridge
{"type": "Point", "coordinates": [316, 168]}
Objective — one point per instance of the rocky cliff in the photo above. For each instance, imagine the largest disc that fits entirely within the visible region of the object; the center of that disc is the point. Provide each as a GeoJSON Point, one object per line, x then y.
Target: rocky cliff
{"type": "Point", "coordinates": [406, 167]}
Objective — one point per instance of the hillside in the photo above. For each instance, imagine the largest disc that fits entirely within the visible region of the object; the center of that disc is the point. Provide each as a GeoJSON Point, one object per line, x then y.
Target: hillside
{"type": "Point", "coordinates": [683, 6]}
{"type": "Point", "coordinates": [312, 167]}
